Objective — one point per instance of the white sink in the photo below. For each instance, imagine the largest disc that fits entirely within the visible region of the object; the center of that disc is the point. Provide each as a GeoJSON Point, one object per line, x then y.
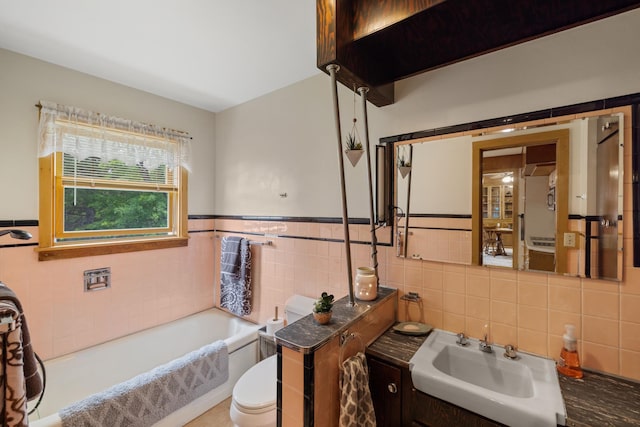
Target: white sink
{"type": "Point", "coordinates": [521, 392]}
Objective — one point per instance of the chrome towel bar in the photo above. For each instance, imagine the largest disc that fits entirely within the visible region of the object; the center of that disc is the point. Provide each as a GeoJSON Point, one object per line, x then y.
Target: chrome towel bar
{"type": "Point", "coordinates": [255, 242]}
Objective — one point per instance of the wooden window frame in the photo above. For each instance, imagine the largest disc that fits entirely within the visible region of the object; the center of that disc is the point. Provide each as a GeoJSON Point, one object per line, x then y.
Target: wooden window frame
{"type": "Point", "coordinates": [49, 249]}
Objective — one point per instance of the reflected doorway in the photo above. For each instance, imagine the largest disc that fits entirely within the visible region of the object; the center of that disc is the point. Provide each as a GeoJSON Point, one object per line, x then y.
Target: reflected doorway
{"type": "Point", "coordinates": [539, 197]}
{"type": "Point", "coordinates": [498, 203]}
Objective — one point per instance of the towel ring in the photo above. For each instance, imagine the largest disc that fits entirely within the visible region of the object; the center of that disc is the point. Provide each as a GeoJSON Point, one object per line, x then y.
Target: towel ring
{"type": "Point", "coordinates": [345, 338]}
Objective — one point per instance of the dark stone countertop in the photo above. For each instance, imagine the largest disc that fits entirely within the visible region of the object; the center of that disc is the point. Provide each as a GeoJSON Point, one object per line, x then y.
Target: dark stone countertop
{"type": "Point", "coordinates": [596, 400]}
{"type": "Point", "coordinates": [306, 335]}
{"type": "Point", "coordinates": [601, 400]}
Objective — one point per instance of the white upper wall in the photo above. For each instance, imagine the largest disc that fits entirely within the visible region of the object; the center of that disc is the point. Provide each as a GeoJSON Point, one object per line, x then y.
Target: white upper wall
{"type": "Point", "coordinates": [285, 142]}
{"type": "Point", "coordinates": [24, 81]}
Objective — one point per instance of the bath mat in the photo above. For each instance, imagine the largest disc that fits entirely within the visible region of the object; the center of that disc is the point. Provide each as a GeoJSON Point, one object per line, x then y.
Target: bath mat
{"type": "Point", "coordinates": [147, 398]}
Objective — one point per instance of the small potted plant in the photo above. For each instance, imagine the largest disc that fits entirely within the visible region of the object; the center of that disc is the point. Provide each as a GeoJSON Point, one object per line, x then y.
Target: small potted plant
{"type": "Point", "coordinates": [322, 308]}
{"type": "Point", "coordinates": [353, 148]}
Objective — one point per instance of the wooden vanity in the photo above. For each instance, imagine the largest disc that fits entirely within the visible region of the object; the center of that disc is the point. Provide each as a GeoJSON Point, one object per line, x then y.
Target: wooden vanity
{"type": "Point", "coordinates": [394, 396]}
{"type": "Point", "coordinates": [594, 401]}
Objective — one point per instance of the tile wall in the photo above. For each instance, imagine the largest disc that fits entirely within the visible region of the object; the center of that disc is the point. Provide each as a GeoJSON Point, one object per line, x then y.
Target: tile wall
{"type": "Point", "coordinates": [148, 288]}
{"type": "Point", "coordinates": [154, 287]}
{"type": "Point", "coordinates": [521, 308]}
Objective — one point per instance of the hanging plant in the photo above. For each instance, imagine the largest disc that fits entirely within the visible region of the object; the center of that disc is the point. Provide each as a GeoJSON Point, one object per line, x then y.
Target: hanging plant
{"type": "Point", "coordinates": [352, 142]}
{"type": "Point", "coordinates": [353, 148]}
{"type": "Point", "coordinates": [404, 165]}
{"type": "Point", "coordinates": [352, 145]}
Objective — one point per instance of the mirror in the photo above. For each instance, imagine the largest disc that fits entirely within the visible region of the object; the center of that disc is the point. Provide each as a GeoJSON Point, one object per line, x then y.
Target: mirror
{"type": "Point", "coordinates": [517, 221]}
{"type": "Point", "coordinates": [529, 197]}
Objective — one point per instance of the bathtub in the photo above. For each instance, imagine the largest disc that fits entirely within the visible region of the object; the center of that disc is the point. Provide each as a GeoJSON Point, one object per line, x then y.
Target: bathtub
{"type": "Point", "coordinates": [75, 376]}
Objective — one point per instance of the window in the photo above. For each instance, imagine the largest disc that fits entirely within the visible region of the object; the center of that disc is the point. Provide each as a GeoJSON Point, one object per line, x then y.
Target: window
{"type": "Point", "coordinates": [109, 185]}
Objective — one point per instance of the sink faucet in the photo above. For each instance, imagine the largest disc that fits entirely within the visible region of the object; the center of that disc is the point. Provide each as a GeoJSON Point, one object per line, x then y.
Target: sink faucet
{"type": "Point", "coordinates": [462, 339]}
{"type": "Point", "coordinates": [484, 343]}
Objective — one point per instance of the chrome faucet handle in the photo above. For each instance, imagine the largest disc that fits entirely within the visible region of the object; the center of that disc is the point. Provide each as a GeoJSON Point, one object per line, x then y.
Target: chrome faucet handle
{"type": "Point", "coordinates": [484, 345]}
{"type": "Point", "coordinates": [462, 339]}
{"type": "Point", "coordinates": [510, 352]}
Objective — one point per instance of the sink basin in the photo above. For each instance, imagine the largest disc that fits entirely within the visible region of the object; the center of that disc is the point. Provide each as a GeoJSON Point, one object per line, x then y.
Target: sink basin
{"type": "Point", "coordinates": [512, 379]}
{"type": "Point", "coordinates": [522, 392]}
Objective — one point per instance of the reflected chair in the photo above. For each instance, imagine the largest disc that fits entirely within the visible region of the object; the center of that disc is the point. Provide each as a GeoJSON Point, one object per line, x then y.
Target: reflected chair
{"type": "Point", "coordinates": [489, 241]}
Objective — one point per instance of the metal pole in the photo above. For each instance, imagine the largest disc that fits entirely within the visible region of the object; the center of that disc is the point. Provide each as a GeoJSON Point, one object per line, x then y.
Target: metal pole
{"type": "Point", "coordinates": [333, 68]}
{"type": "Point", "coordinates": [374, 241]}
{"type": "Point", "coordinates": [406, 213]}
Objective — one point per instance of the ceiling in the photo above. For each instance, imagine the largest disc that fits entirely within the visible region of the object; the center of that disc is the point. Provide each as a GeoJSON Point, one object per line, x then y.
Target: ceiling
{"type": "Point", "coordinates": [212, 54]}
{"type": "Point", "coordinates": [215, 54]}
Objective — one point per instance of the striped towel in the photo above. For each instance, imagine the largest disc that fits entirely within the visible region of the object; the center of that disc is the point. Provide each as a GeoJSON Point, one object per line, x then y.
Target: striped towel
{"type": "Point", "coordinates": [19, 377]}
{"type": "Point", "coordinates": [235, 275]}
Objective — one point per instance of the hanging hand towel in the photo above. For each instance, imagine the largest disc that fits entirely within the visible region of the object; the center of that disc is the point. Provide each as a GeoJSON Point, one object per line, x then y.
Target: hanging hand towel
{"type": "Point", "coordinates": [356, 406]}
{"type": "Point", "coordinates": [235, 275]}
{"type": "Point", "coordinates": [21, 380]}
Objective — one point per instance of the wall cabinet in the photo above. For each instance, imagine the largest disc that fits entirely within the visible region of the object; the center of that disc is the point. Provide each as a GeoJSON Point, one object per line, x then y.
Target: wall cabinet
{"type": "Point", "coordinates": [498, 208]}
{"type": "Point", "coordinates": [497, 202]}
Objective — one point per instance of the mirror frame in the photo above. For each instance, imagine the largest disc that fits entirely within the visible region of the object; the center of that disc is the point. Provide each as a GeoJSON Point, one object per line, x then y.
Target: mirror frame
{"type": "Point", "coordinates": [561, 140]}
{"type": "Point", "coordinates": [629, 100]}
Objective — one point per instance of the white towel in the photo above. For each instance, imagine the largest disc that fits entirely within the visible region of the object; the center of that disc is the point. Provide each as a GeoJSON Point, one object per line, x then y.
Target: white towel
{"type": "Point", "coordinates": [356, 406]}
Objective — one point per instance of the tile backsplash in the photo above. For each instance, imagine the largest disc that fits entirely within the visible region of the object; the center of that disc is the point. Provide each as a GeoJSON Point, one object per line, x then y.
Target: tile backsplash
{"type": "Point", "coordinates": [525, 309]}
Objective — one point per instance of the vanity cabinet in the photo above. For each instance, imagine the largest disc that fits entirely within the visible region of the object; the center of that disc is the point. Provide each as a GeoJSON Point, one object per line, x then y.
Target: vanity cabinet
{"type": "Point", "coordinates": [429, 411]}
{"type": "Point", "coordinates": [398, 403]}
{"type": "Point", "coordinates": [385, 382]}
{"type": "Point", "coordinates": [389, 387]}
{"type": "Point", "coordinates": [596, 400]}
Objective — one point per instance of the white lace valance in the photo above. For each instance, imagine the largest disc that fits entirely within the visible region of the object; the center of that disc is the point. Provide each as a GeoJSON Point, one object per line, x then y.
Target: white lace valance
{"type": "Point", "coordinates": [85, 134]}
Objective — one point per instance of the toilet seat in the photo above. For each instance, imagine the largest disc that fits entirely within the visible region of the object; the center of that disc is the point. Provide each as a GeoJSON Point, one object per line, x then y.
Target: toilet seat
{"type": "Point", "coordinates": [256, 391]}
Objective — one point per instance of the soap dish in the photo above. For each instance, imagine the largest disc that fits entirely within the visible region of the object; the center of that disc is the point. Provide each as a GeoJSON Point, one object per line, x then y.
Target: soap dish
{"type": "Point", "coordinates": [412, 328]}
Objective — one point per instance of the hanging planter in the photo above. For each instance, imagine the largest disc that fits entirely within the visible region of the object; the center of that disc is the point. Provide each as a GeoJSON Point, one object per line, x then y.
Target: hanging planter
{"type": "Point", "coordinates": [353, 148]}
{"type": "Point", "coordinates": [404, 165]}
{"type": "Point", "coordinates": [404, 170]}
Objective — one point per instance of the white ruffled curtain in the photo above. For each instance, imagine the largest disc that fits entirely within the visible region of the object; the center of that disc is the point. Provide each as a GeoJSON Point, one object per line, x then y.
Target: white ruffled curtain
{"type": "Point", "coordinates": [84, 134]}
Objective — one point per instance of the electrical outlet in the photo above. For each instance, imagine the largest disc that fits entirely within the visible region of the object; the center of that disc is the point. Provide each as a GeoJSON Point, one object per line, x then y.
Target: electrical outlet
{"type": "Point", "coordinates": [569, 240]}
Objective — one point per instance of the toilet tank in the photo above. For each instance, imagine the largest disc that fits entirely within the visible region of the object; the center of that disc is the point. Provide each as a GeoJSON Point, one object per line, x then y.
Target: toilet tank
{"type": "Point", "coordinates": [296, 307]}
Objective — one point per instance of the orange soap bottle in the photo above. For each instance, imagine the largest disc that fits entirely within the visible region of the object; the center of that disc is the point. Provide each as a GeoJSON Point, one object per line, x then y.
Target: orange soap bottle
{"type": "Point", "coordinates": [569, 363]}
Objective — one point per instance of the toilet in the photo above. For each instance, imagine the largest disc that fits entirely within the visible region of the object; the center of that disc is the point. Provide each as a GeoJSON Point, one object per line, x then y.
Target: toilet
{"type": "Point", "coordinates": [253, 402]}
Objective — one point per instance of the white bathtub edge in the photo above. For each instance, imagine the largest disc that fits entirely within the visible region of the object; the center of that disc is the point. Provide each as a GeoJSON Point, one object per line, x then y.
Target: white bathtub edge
{"type": "Point", "coordinates": [243, 350]}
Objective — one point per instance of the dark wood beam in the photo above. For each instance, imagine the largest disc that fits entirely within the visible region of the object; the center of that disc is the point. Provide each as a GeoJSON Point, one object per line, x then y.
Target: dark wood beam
{"type": "Point", "coordinates": [379, 42]}
{"type": "Point", "coordinates": [334, 33]}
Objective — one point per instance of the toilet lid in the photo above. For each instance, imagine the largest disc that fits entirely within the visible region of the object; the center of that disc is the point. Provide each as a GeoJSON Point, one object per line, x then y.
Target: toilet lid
{"type": "Point", "coordinates": [257, 388]}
